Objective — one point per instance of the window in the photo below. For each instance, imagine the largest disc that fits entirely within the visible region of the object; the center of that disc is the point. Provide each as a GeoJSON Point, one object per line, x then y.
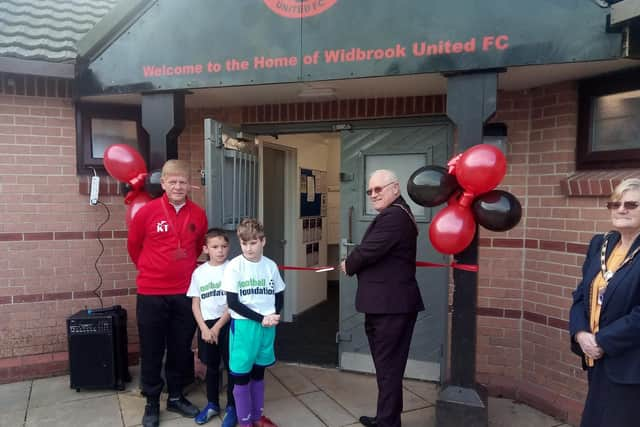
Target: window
{"type": "Point", "coordinates": [239, 178]}
{"type": "Point", "coordinates": [100, 125]}
{"type": "Point", "coordinates": [609, 121]}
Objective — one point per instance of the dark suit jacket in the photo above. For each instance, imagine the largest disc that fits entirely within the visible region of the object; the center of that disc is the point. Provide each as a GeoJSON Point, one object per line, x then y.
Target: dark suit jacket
{"type": "Point", "coordinates": [619, 333]}
{"type": "Point", "coordinates": [385, 263]}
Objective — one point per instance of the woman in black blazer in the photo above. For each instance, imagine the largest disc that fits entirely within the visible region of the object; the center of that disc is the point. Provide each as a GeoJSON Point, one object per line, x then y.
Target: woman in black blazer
{"type": "Point", "coordinates": [605, 315]}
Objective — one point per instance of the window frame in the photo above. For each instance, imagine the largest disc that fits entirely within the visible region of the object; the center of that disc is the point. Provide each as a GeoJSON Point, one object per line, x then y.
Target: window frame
{"type": "Point", "coordinates": [85, 112]}
{"type": "Point", "coordinates": [606, 84]}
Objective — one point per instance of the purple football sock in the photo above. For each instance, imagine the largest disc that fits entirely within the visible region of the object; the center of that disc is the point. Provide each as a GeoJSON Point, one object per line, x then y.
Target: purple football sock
{"type": "Point", "coordinates": [242, 395]}
{"type": "Point", "coordinates": [257, 398]}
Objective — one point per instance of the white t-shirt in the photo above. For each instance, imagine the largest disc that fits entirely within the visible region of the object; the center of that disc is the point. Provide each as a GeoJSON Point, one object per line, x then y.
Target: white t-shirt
{"type": "Point", "coordinates": [206, 282]}
{"type": "Point", "coordinates": [256, 284]}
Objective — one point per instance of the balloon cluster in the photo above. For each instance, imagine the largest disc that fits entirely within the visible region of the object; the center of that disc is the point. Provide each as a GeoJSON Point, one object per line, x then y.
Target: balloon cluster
{"type": "Point", "coordinates": [468, 188]}
{"type": "Point", "coordinates": [126, 165]}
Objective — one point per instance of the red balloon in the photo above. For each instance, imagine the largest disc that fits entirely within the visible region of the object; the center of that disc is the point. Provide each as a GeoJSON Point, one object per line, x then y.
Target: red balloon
{"type": "Point", "coordinates": [480, 168]}
{"type": "Point", "coordinates": [452, 229]}
{"type": "Point", "coordinates": [138, 201]}
{"type": "Point", "coordinates": [123, 162]}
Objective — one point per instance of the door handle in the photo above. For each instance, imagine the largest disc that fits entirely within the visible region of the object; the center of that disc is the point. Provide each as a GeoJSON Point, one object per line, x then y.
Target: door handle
{"type": "Point", "coordinates": [350, 219]}
{"type": "Point", "coordinates": [344, 247]}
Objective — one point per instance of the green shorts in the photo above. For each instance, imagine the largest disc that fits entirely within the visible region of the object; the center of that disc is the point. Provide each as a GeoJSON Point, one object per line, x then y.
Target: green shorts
{"type": "Point", "coordinates": [250, 344]}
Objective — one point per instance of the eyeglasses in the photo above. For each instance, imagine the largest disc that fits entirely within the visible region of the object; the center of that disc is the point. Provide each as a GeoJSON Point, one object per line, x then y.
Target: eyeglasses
{"type": "Point", "coordinates": [173, 182]}
{"type": "Point", "coordinates": [629, 205]}
{"type": "Point", "coordinates": [376, 190]}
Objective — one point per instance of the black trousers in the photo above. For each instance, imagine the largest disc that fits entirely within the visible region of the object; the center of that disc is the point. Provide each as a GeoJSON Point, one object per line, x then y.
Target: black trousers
{"type": "Point", "coordinates": [389, 339]}
{"type": "Point", "coordinates": [165, 322]}
{"type": "Point", "coordinates": [211, 355]}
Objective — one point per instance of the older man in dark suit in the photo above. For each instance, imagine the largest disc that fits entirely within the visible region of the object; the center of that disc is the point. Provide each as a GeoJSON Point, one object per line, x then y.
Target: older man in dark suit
{"type": "Point", "coordinates": [388, 294]}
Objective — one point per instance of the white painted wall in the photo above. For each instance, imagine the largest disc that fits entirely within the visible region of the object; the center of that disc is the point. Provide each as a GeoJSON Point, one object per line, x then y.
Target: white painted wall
{"type": "Point", "coordinates": [320, 152]}
{"type": "Point", "coordinates": [333, 205]}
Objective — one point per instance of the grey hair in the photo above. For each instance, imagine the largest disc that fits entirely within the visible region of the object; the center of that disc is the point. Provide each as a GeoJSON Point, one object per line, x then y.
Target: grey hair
{"type": "Point", "coordinates": [389, 174]}
{"type": "Point", "coordinates": [626, 184]}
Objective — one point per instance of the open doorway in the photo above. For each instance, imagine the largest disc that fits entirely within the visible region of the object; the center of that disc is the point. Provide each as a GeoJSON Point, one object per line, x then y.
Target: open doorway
{"type": "Point", "coordinates": [291, 183]}
{"type": "Point", "coordinates": [308, 334]}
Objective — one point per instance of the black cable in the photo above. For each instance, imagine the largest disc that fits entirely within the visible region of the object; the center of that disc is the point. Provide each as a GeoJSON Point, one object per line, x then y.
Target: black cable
{"type": "Point", "coordinates": [95, 264]}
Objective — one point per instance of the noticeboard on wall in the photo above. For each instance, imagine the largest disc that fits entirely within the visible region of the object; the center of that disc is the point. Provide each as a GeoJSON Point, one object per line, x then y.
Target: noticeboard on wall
{"type": "Point", "coordinates": [313, 193]}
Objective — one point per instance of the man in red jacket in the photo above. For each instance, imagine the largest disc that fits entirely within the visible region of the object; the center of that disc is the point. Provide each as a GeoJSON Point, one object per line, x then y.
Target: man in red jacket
{"type": "Point", "coordinates": [165, 239]}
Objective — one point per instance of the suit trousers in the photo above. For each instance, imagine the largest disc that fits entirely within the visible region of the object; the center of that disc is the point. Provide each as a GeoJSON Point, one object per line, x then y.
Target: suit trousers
{"type": "Point", "coordinates": [389, 339]}
{"type": "Point", "coordinates": [165, 322]}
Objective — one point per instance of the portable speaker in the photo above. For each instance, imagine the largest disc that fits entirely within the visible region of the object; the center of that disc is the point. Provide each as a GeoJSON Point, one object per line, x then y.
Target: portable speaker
{"type": "Point", "coordinates": [98, 348]}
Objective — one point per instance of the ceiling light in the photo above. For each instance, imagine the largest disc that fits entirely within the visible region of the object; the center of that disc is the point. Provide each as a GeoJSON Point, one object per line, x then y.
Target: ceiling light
{"type": "Point", "coordinates": [317, 92]}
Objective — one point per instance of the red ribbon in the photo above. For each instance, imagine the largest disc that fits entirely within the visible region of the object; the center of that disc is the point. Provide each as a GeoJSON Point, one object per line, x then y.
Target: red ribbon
{"type": "Point", "coordinates": [290, 267]}
{"type": "Point", "coordinates": [136, 184]}
{"type": "Point", "coordinates": [466, 267]}
{"type": "Point", "coordinates": [452, 164]}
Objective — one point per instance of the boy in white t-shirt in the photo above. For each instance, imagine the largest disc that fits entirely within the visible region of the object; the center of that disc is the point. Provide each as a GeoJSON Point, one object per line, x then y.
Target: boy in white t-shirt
{"type": "Point", "coordinates": [255, 296]}
{"type": "Point", "coordinates": [209, 305]}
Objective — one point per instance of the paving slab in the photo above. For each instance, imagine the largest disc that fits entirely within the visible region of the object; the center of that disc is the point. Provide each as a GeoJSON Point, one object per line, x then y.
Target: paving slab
{"type": "Point", "coordinates": [357, 393]}
{"type": "Point", "coordinates": [273, 388]}
{"type": "Point", "coordinates": [12, 418]}
{"type": "Point", "coordinates": [506, 413]}
{"type": "Point", "coordinates": [290, 412]}
{"type": "Point", "coordinates": [132, 406]}
{"type": "Point", "coordinates": [134, 384]}
{"type": "Point", "coordinates": [327, 409]}
{"type": "Point", "coordinates": [14, 396]}
{"type": "Point", "coordinates": [296, 396]}
{"type": "Point", "coordinates": [57, 390]}
{"type": "Point", "coordinates": [97, 411]}
{"type": "Point", "coordinates": [292, 379]}
{"type": "Point", "coordinates": [420, 418]}
{"type": "Point", "coordinates": [428, 391]}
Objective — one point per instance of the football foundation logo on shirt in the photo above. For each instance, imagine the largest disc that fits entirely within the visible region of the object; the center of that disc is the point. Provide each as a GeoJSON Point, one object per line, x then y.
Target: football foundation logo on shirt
{"type": "Point", "coordinates": [211, 289]}
{"type": "Point", "coordinates": [299, 8]}
{"type": "Point", "coordinates": [255, 287]}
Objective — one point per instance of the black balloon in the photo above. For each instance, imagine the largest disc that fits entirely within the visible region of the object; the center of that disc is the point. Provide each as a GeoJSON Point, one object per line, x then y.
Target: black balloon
{"type": "Point", "coordinates": [152, 184]}
{"type": "Point", "coordinates": [430, 186]}
{"type": "Point", "coordinates": [497, 210]}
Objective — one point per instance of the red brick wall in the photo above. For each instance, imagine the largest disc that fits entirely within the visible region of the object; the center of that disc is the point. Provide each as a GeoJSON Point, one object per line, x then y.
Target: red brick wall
{"type": "Point", "coordinates": [48, 230]}
{"type": "Point", "coordinates": [528, 273]}
{"type": "Point", "coordinates": [48, 243]}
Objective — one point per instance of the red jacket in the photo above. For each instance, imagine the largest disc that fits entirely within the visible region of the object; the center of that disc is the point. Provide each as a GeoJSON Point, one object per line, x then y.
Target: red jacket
{"type": "Point", "coordinates": [164, 266]}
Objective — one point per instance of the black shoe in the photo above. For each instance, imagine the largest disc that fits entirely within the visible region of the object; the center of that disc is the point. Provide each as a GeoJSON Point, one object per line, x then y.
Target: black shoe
{"type": "Point", "coordinates": [151, 417]}
{"type": "Point", "coordinates": [182, 406]}
{"type": "Point", "coordinates": [368, 421]}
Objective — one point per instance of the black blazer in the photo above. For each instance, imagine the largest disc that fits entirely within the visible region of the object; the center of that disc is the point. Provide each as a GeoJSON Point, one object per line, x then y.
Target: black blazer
{"type": "Point", "coordinates": [385, 263]}
{"type": "Point", "coordinates": [619, 330]}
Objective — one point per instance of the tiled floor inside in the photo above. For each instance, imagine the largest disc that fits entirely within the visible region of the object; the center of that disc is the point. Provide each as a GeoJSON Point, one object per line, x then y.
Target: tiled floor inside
{"type": "Point", "coordinates": [296, 396]}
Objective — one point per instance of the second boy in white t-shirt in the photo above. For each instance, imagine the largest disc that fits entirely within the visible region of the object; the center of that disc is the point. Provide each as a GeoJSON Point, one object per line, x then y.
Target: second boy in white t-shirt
{"type": "Point", "coordinates": [209, 304]}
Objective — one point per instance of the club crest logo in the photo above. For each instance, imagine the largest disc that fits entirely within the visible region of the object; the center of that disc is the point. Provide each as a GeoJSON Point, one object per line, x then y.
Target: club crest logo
{"type": "Point", "coordinates": [299, 8]}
